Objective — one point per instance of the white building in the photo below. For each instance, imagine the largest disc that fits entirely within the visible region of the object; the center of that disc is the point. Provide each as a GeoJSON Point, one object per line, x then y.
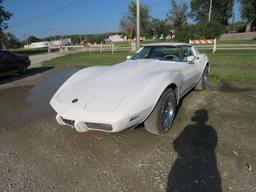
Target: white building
{"type": "Point", "coordinates": [61, 42]}
{"type": "Point", "coordinates": [117, 38]}
{"type": "Point", "coordinates": [35, 45]}
{"type": "Point", "coordinates": [45, 44]}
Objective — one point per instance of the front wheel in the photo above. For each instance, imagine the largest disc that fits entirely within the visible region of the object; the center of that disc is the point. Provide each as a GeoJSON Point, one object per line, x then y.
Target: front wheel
{"type": "Point", "coordinates": [22, 69]}
{"type": "Point", "coordinates": [203, 83]}
{"type": "Point", "coordinates": [162, 117]}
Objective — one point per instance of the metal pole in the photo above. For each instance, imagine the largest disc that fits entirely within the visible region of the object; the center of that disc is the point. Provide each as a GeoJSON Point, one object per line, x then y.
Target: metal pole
{"type": "Point", "coordinates": [210, 11]}
{"type": "Point", "coordinates": [49, 47]}
{"type": "Point", "coordinates": [138, 25]}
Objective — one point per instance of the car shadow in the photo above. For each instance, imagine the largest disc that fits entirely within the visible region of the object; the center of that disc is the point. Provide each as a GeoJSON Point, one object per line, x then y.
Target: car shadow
{"type": "Point", "coordinates": [195, 168]}
{"type": "Point", "coordinates": [30, 72]}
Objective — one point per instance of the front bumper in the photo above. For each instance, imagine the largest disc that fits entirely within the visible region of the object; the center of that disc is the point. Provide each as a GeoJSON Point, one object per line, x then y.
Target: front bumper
{"type": "Point", "coordinates": [84, 125]}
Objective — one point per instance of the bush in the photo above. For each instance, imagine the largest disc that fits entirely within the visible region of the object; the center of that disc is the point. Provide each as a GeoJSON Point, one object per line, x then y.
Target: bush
{"type": "Point", "coordinates": [210, 30]}
{"type": "Point", "coordinates": [205, 30]}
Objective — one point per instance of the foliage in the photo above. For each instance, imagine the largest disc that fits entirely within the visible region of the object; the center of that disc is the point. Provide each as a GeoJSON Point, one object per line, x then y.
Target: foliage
{"type": "Point", "coordinates": [4, 17]}
{"type": "Point", "coordinates": [128, 22]}
{"type": "Point", "coordinates": [177, 18]}
{"type": "Point", "coordinates": [221, 10]}
{"type": "Point", "coordinates": [236, 27]}
{"type": "Point", "coordinates": [10, 41]}
{"type": "Point", "coordinates": [127, 27]}
{"type": "Point", "coordinates": [178, 14]}
{"type": "Point", "coordinates": [159, 28]}
{"type": "Point", "coordinates": [77, 38]}
{"type": "Point", "coordinates": [210, 30]}
{"type": "Point", "coordinates": [32, 39]}
{"type": "Point", "coordinates": [248, 12]}
{"type": "Point", "coordinates": [204, 30]}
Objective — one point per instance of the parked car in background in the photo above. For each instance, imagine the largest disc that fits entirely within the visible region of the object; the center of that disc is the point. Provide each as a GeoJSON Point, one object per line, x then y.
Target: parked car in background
{"type": "Point", "coordinates": [145, 88]}
{"type": "Point", "coordinates": [11, 62]}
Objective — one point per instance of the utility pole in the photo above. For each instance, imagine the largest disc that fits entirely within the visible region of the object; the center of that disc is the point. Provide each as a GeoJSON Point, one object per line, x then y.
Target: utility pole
{"type": "Point", "coordinates": [210, 11]}
{"type": "Point", "coordinates": [49, 47]}
{"type": "Point", "coordinates": [138, 25]}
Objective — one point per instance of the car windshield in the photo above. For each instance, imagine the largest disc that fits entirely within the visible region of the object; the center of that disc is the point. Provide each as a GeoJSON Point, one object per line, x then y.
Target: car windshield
{"type": "Point", "coordinates": [170, 53]}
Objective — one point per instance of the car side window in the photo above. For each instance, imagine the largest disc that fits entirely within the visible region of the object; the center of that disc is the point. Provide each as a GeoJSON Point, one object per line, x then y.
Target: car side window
{"type": "Point", "coordinates": [142, 54]}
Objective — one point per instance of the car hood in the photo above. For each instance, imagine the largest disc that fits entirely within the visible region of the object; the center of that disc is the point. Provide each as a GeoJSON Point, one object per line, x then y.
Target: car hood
{"type": "Point", "coordinates": [106, 87]}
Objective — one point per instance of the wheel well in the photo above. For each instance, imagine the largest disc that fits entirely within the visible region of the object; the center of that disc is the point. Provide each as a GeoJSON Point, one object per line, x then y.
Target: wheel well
{"type": "Point", "coordinates": [174, 88]}
{"type": "Point", "coordinates": [208, 66]}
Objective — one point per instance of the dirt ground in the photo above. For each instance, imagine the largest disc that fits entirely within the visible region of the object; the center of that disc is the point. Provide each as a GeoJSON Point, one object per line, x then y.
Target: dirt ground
{"type": "Point", "coordinates": [210, 147]}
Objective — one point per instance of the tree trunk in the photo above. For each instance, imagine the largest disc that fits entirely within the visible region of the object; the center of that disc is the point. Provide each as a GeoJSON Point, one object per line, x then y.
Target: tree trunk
{"type": "Point", "coordinates": [130, 33]}
{"type": "Point", "coordinates": [249, 26]}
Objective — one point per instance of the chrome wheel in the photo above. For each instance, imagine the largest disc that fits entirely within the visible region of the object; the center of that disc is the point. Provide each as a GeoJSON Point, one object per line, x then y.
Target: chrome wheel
{"type": "Point", "coordinates": [168, 114]}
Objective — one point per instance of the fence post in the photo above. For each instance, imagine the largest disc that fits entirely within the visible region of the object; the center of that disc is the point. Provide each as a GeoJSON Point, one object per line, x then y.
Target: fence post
{"type": "Point", "coordinates": [215, 46]}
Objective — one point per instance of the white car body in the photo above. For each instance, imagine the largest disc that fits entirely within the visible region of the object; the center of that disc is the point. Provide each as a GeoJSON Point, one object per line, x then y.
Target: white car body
{"type": "Point", "coordinates": [113, 98]}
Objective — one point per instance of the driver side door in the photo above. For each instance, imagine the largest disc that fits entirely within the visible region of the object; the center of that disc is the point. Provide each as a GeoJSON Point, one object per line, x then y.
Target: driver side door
{"type": "Point", "coordinates": [190, 70]}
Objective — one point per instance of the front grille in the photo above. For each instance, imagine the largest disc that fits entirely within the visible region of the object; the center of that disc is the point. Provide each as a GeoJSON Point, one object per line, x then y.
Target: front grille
{"type": "Point", "coordinates": [100, 126]}
{"type": "Point", "coordinates": [67, 121]}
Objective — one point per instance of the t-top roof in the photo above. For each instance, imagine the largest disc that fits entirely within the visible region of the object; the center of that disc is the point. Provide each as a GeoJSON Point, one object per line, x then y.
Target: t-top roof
{"type": "Point", "coordinates": [165, 44]}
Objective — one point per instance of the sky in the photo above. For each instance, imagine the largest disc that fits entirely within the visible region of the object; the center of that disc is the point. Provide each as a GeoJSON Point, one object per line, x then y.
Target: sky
{"type": "Point", "coordinates": [60, 17]}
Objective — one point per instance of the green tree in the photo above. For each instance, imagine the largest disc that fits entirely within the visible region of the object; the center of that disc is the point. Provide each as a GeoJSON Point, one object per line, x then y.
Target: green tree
{"type": "Point", "coordinates": [160, 28]}
{"type": "Point", "coordinates": [33, 39]}
{"type": "Point", "coordinates": [177, 18]}
{"type": "Point", "coordinates": [10, 41]}
{"type": "Point", "coordinates": [221, 10]}
{"type": "Point", "coordinates": [131, 16]}
{"type": "Point", "coordinates": [248, 13]}
{"type": "Point", "coordinates": [4, 17]}
{"type": "Point", "coordinates": [127, 27]}
{"type": "Point", "coordinates": [177, 15]}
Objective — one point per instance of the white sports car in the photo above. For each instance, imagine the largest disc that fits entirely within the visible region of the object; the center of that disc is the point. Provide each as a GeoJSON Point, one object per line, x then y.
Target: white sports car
{"type": "Point", "coordinates": [145, 88]}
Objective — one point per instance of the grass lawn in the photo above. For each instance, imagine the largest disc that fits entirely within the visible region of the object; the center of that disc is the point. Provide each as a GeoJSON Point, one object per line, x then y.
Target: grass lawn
{"type": "Point", "coordinates": [236, 42]}
{"type": "Point", "coordinates": [86, 59]}
{"type": "Point", "coordinates": [227, 65]}
{"type": "Point", "coordinates": [31, 51]}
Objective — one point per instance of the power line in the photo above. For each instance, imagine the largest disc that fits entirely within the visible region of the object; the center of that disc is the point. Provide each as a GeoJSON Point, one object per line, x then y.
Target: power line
{"type": "Point", "coordinates": [49, 13]}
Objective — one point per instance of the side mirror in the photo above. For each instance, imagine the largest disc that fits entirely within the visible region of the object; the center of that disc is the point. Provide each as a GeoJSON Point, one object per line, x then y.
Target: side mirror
{"type": "Point", "coordinates": [128, 57]}
{"type": "Point", "coordinates": [191, 58]}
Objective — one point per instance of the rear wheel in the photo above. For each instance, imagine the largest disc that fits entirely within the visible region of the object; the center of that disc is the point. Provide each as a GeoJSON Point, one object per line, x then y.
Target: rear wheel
{"type": "Point", "coordinates": [161, 119]}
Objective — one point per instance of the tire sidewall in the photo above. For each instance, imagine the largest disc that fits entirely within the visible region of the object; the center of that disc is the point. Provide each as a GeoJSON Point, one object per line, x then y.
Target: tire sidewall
{"type": "Point", "coordinates": [22, 69]}
{"type": "Point", "coordinates": [204, 84]}
{"type": "Point", "coordinates": [167, 96]}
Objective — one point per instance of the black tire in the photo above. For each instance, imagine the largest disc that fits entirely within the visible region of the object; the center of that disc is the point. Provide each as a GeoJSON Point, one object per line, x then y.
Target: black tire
{"type": "Point", "coordinates": [203, 83]}
{"type": "Point", "coordinates": [22, 69]}
{"type": "Point", "coordinates": [158, 121]}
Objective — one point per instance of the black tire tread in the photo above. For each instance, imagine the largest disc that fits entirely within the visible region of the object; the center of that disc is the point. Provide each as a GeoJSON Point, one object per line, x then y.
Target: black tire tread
{"type": "Point", "coordinates": [152, 123]}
